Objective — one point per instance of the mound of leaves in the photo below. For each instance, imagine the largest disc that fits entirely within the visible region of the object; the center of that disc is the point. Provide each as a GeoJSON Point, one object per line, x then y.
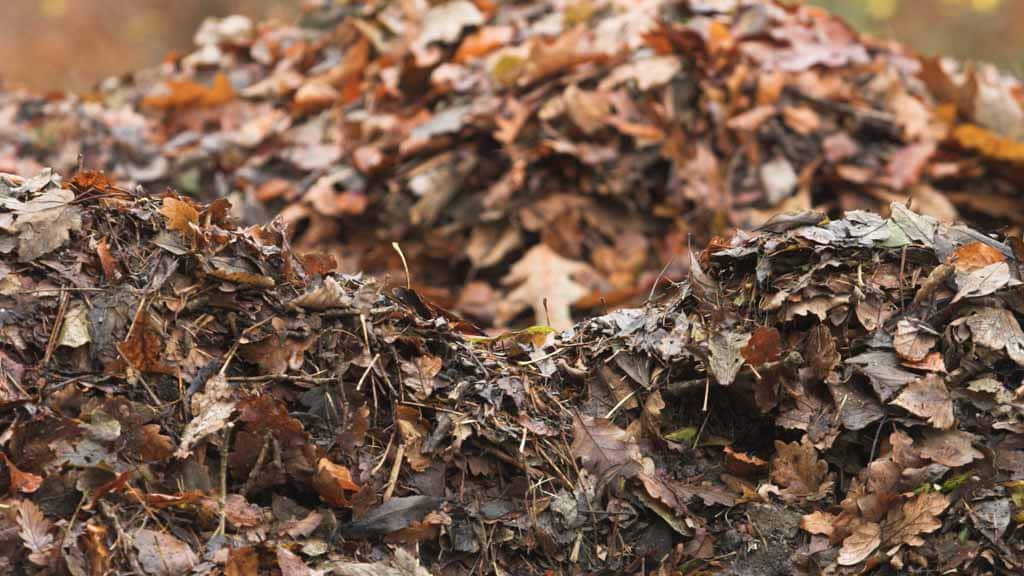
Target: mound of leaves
{"type": "Point", "coordinates": [523, 150]}
{"type": "Point", "coordinates": [179, 394]}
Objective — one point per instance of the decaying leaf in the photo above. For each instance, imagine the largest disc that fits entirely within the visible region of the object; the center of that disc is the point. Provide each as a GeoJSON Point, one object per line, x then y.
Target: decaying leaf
{"type": "Point", "coordinates": [916, 517]}
{"type": "Point", "coordinates": [798, 470]}
{"type": "Point", "coordinates": [865, 539]}
{"type": "Point", "coordinates": [949, 447]}
{"type": "Point", "coordinates": [928, 398]}
{"type": "Point", "coordinates": [726, 352]}
{"type": "Point", "coordinates": [161, 554]}
{"type": "Point", "coordinates": [601, 445]}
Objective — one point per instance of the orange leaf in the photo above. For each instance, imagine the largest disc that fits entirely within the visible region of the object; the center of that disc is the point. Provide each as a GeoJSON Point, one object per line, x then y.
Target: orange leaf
{"type": "Point", "coordinates": [331, 481]}
{"type": "Point", "coordinates": [975, 256]}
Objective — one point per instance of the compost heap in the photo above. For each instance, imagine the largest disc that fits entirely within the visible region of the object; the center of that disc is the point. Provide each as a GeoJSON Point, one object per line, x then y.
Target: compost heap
{"type": "Point", "coordinates": [522, 150]}
{"type": "Point", "coordinates": [183, 394]}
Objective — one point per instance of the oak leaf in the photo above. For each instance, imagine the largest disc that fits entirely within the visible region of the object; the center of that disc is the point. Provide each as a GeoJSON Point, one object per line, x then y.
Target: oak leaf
{"type": "Point", "coordinates": [865, 538]}
{"type": "Point", "coordinates": [543, 277]}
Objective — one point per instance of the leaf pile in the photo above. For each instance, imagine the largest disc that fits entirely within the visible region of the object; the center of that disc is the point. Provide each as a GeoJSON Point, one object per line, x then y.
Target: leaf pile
{"type": "Point", "coordinates": [181, 394]}
{"type": "Point", "coordinates": [516, 147]}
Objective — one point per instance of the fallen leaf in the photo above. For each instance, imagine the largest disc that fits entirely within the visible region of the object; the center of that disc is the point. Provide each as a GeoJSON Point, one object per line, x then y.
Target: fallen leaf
{"type": "Point", "coordinates": [601, 445]}
{"type": "Point", "coordinates": [928, 398]}
{"type": "Point", "coordinates": [798, 470]}
{"type": "Point", "coordinates": [949, 447]}
{"type": "Point", "coordinates": [331, 481]}
{"type": "Point", "coordinates": [34, 532]}
{"type": "Point", "coordinates": [161, 554]}
{"type": "Point", "coordinates": [243, 562]}
{"type": "Point", "coordinates": [916, 517]}
{"type": "Point", "coordinates": [725, 350]}
{"type": "Point", "coordinates": [546, 283]}
{"type": "Point", "coordinates": [864, 540]}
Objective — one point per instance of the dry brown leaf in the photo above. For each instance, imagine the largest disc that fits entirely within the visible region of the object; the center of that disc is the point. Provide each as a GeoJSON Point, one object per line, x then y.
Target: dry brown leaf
{"type": "Point", "coordinates": [798, 470]}
{"type": "Point", "coordinates": [161, 554]}
{"type": "Point", "coordinates": [601, 445]}
{"type": "Point", "coordinates": [918, 516]}
{"type": "Point", "coordinates": [543, 277]}
{"type": "Point", "coordinates": [818, 522]}
{"type": "Point", "coordinates": [974, 256]}
{"type": "Point", "coordinates": [864, 540]}
{"type": "Point", "coordinates": [928, 398]}
{"type": "Point", "coordinates": [34, 532]}
{"type": "Point", "coordinates": [949, 447]}
{"type": "Point", "coordinates": [290, 564]}
{"type": "Point", "coordinates": [332, 481]}
{"type": "Point", "coordinates": [243, 562]}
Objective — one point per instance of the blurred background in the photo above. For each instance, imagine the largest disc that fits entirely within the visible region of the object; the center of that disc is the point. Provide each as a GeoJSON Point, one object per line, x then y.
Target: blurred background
{"type": "Point", "coordinates": [73, 44]}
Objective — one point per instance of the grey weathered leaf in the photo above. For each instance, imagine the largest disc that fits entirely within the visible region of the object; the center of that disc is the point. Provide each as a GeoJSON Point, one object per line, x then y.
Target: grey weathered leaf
{"type": "Point", "coordinates": [726, 355]}
{"type": "Point", "coordinates": [161, 554]}
{"type": "Point", "coordinates": [983, 281]}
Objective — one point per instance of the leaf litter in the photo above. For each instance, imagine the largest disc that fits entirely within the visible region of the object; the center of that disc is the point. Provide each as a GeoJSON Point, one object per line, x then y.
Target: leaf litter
{"type": "Point", "coordinates": [522, 151]}
{"type": "Point", "coordinates": [388, 436]}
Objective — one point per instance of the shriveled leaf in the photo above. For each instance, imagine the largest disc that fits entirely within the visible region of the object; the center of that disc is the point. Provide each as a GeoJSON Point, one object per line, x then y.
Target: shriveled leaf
{"type": "Point", "coordinates": [798, 470]}
{"type": "Point", "coordinates": [332, 481]}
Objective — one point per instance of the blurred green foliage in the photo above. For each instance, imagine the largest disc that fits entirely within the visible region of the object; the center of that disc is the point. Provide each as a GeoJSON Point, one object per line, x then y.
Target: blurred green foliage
{"type": "Point", "coordinates": [991, 30]}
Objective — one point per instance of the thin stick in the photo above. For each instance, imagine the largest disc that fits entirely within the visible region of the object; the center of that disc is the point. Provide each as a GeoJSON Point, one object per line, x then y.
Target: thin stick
{"type": "Point", "coordinates": [396, 467]}
{"type": "Point", "coordinates": [405, 265]}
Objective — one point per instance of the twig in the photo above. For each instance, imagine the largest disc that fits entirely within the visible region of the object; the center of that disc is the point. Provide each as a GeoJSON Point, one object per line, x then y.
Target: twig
{"type": "Point", "coordinates": [396, 468]}
{"type": "Point", "coordinates": [51, 344]}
